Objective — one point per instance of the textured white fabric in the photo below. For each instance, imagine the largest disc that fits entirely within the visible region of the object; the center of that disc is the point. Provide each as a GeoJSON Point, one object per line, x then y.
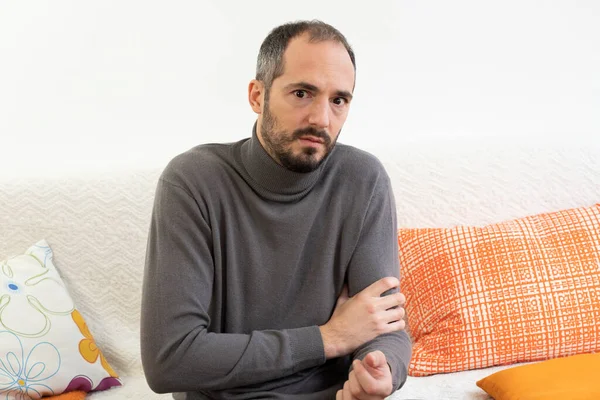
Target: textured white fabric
{"type": "Point", "coordinates": [479, 183]}
{"type": "Point", "coordinates": [97, 224]}
{"type": "Point", "coordinates": [453, 386]}
{"type": "Point", "coordinates": [97, 227]}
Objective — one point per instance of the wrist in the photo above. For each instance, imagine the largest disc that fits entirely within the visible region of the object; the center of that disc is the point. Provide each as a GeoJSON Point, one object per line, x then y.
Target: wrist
{"type": "Point", "coordinates": [330, 344]}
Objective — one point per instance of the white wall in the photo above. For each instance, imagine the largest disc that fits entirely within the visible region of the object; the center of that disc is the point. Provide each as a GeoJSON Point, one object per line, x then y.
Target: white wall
{"type": "Point", "coordinates": [109, 84]}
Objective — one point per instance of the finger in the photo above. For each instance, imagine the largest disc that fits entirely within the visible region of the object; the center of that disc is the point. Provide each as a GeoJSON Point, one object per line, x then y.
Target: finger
{"type": "Point", "coordinates": [345, 290]}
{"type": "Point", "coordinates": [395, 326]}
{"type": "Point", "coordinates": [376, 359]}
{"type": "Point", "coordinates": [391, 300]}
{"type": "Point", "coordinates": [402, 298]}
{"type": "Point", "coordinates": [339, 395]}
{"type": "Point", "coordinates": [392, 314]}
{"type": "Point", "coordinates": [367, 382]}
{"type": "Point", "coordinates": [347, 392]}
{"type": "Point", "coordinates": [384, 314]}
{"type": "Point", "coordinates": [381, 286]}
{"type": "Point", "coordinates": [356, 389]}
{"type": "Point", "coordinates": [344, 295]}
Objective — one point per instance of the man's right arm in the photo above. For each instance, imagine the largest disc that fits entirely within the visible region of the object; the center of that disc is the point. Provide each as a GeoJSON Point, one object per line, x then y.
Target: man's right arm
{"type": "Point", "coordinates": [179, 354]}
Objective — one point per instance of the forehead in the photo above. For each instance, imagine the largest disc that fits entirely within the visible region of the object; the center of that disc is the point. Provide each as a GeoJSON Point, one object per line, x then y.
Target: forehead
{"type": "Point", "coordinates": [325, 64]}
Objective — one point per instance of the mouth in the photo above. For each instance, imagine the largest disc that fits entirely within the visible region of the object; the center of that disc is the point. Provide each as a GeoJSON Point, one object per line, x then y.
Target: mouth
{"type": "Point", "coordinates": [312, 139]}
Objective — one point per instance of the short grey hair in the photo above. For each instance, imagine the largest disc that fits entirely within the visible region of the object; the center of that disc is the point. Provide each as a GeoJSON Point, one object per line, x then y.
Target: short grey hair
{"type": "Point", "coordinates": [269, 65]}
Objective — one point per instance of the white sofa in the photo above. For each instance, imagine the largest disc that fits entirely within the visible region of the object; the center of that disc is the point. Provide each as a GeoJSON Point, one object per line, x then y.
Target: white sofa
{"type": "Point", "coordinates": [97, 222]}
{"type": "Point", "coordinates": [96, 225]}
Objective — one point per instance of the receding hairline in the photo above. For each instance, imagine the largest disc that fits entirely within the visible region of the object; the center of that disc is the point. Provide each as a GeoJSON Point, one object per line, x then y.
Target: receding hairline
{"type": "Point", "coordinates": [315, 31]}
{"type": "Point", "coordinates": [309, 39]}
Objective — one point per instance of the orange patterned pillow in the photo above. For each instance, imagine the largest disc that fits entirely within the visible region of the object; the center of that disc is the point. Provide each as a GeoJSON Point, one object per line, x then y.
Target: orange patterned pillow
{"type": "Point", "coordinates": [521, 290]}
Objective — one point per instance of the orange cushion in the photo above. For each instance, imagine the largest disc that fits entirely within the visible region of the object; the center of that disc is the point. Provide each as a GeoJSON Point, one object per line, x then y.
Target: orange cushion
{"type": "Point", "coordinates": [573, 378]}
{"type": "Point", "coordinates": [516, 291]}
{"type": "Point", "coordinates": [75, 395]}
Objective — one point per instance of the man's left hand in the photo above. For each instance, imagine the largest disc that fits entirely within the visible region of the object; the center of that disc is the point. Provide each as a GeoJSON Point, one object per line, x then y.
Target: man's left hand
{"type": "Point", "coordinates": [370, 379]}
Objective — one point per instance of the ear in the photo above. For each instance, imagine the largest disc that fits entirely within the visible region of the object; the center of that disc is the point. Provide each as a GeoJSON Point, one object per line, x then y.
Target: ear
{"type": "Point", "coordinates": [256, 95]}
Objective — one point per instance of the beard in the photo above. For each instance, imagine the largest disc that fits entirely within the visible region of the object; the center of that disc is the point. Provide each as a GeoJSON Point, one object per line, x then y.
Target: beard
{"type": "Point", "coordinates": [278, 144]}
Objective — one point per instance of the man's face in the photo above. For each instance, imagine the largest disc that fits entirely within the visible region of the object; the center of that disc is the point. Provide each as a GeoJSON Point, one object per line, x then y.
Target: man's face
{"type": "Point", "coordinates": [306, 107]}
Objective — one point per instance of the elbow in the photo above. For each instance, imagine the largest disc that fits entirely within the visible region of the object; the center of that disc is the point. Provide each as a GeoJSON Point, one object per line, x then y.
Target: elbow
{"type": "Point", "coordinates": [170, 383]}
{"type": "Point", "coordinates": [171, 366]}
{"type": "Point", "coordinates": [158, 385]}
{"type": "Point", "coordinates": [165, 380]}
{"type": "Point", "coordinates": [156, 378]}
{"type": "Point", "coordinates": [157, 371]}
{"type": "Point", "coordinates": [167, 375]}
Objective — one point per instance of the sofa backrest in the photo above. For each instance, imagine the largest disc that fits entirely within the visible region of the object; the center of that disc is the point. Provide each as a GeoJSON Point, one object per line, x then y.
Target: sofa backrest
{"type": "Point", "coordinates": [97, 223]}
{"type": "Point", "coordinates": [478, 183]}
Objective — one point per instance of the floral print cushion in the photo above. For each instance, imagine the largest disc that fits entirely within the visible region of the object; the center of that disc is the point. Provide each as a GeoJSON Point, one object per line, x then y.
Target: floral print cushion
{"type": "Point", "coordinates": [46, 347]}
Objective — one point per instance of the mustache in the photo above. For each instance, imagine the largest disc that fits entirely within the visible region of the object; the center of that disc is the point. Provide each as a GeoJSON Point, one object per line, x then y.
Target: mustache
{"type": "Point", "coordinates": [298, 133]}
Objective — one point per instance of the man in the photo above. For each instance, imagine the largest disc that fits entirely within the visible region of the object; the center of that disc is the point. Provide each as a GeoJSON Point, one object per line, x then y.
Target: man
{"type": "Point", "coordinates": [272, 266]}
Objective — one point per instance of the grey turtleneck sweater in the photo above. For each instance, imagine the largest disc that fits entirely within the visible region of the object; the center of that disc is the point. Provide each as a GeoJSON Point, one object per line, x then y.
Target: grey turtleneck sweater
{"type": "Point", "coordinates": [246, 259]}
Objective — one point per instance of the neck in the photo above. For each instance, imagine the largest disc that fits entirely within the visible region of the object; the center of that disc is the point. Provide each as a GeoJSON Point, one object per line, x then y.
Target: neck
{"type": "Point", "coordinates": [270, 178]}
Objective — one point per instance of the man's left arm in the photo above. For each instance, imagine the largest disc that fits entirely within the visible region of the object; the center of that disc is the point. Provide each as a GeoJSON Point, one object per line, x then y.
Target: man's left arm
{"type": "Point", "coordinates": [375, 257]}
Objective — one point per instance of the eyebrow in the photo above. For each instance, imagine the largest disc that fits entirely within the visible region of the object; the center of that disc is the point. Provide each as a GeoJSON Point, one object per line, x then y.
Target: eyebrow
{"type": "Point", "coordinates": [313, 88]}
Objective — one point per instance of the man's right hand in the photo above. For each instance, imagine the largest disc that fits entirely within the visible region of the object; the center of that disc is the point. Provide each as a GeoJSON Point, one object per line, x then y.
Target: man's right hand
{"type": "Point", "coordinates": [363, 317]}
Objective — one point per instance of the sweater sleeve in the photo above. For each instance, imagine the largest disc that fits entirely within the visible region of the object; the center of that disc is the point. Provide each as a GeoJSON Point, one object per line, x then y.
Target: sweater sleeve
{"type": "Point", "coordinates": [179, 353]}
{"type": "Point", "coordinates": [375, 257]}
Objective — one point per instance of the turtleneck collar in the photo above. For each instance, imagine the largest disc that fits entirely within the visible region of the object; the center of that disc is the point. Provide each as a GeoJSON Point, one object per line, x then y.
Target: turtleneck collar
{"type": "Point", "coordinates": [272, 180]}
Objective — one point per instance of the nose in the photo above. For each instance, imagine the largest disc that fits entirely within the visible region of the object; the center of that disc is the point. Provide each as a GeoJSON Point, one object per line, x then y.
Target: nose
{"type": "Point", "coordinates": [319, 114]}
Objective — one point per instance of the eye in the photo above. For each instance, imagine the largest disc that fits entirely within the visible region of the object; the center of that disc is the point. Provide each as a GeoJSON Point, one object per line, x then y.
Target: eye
{"type": "Point", "coordinates": [300, 93]}
{"type": "Point", "coordinates": [340, 101]}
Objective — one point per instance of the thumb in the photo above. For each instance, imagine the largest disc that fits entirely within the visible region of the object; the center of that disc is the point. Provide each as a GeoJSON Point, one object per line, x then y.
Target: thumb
{"type": "Point", "coordinates": [375, 359]}
{"type": "Point", "coordinates": [343, 296]}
